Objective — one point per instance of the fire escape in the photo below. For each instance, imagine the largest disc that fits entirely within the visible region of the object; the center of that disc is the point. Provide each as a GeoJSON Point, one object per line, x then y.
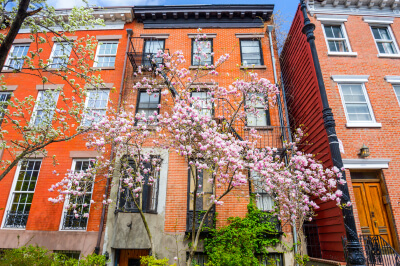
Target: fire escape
{"type": "Point", "coordinates": [273, 134]}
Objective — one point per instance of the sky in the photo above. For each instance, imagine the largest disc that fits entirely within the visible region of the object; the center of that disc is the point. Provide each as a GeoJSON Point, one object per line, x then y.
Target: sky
{"type": "Point", "coordinates": [287, 8]}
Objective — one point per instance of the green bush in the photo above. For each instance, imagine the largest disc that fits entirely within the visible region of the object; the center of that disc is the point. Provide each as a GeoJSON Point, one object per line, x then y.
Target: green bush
{"type": "Point", "coordinates": [243, 241]}
{"type": "Point", "coordinates": [38, 256]}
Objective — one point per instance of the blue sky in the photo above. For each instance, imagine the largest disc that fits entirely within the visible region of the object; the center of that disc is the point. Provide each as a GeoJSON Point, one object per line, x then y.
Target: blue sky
{"type": "Point", "coordinates": [287, 7]}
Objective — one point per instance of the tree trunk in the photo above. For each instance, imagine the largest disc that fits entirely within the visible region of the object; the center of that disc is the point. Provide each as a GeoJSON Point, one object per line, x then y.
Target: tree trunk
{"type": "Point", "coordinates": [12, 33]}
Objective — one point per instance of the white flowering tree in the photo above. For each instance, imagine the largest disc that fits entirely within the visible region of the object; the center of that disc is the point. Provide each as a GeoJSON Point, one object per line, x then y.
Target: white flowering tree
{"type": "Point", "coordinates": [30, 124]}
{"type": "Point", "coordinates": [200, 128]}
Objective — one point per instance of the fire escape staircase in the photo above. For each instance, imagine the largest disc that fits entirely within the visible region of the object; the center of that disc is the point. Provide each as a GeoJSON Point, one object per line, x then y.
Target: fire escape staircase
{"type": "Point", "coordinates": [273, 136]}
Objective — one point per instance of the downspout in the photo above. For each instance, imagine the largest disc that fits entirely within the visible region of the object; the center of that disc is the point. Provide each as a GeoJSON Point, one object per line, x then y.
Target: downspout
{"type": "Point", "coordinates": [270, 28]}
{"type": "Point", "coordinates": [103, 212]}
{"type": "Point", "coordinates": [354, 250]}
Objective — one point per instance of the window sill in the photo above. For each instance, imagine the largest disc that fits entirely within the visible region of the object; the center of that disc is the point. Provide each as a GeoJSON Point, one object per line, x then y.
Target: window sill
{"type": "Point", "coordinates": [10, 71]}
{"type": "Point", "coordinates": [259, 127]}
{"type": "Point", "coordinates": [352, 54]}
{"type": "Point", "coordinates": [389, 55]}
{"type": "Point", "coordinates": [104, 68]}
{"type": "Point", "coordinates": [364, 125]}
{"type": "Point", "coordinates": [254, 67]}
{"type": "Point", "coordinates": [201, 67]}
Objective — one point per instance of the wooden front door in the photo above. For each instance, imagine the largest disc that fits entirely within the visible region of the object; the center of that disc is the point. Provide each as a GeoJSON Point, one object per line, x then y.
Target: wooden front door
{"type": "Point", "coordinates": [371, 210]}
{"type": "Point", "coordinates": [131, 257]}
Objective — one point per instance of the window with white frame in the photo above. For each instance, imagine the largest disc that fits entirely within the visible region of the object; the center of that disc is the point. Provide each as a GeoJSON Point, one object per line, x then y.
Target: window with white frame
{"type": "Point", "coordinates": [4, 97]}
{"type": "Point", "coordinates": [151, 48]}
{"type": "Point", "coordinates": [356, 102]}
{"type": "Point", "coordinates": [96, 106]}
{"type": "Point", "coordinates": [336, 38]}
{"type": "Point", "coordinates": [44, 109]}
{"type": "Point", "coordinates": [203, 102]}
{"type": "Point", "coordinates": [148, 104]}
{"type": "Point", "coordinates": [259, 117]}
{"type": "Point", "coordinates": [22, 194]}
{"type": "Point", "coordinates": [384, 40]}
{"type": "Point", "coordinates": [77, 218]}
{"type": "Point", "coordinates": [397, 91]}
{"type": "Point", "coordinates": [60, 55]}
{"type": "Point", "coordinates": [15, 58]}
{"type": "Point", "coordinates": [106, 53]}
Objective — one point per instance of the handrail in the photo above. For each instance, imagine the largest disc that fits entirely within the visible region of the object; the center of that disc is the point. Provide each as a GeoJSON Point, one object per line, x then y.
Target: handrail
{"type": "Point", "coordinates": [378, 251]}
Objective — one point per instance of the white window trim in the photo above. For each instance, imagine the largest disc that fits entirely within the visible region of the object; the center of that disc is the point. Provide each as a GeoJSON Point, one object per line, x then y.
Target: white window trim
{"type": "Point", "coordinates": [54, 49]}
{"type": "Point", "coordinates": [87, 102]}
{"type": "Point", "coordinates": [362, 79]}
{"type": "Point", "coordinates": [343, 29]}
{"type": "Point", "coordinates": [66, 200]}
{"type": "Point", "coordinates": [10, 196]}
{"type": "Point", "coordinates": [35, 109]}
{"type": "Point", "coordinates": [366, 163]}
{"type": "Point", "coordinates": [395, 81]}
{"type": "Point", "coordinates": [95, 64]}
{"type": "Point", "coordinates": [381, 25]}
{"type": "Point", "coordinates": [7, 63]}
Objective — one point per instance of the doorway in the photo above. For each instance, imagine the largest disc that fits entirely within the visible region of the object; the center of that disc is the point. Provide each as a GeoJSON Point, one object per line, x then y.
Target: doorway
{"type": "Point", "coordinates": [131, 257]}
{"type": "Point", "coordinates": [371, 204]}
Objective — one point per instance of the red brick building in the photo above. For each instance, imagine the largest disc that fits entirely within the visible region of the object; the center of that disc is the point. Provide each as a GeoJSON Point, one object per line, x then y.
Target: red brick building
{"type": "Point", "coordinates": [358, 48]}
{"type": "Point", "coordinates": [129, 36]}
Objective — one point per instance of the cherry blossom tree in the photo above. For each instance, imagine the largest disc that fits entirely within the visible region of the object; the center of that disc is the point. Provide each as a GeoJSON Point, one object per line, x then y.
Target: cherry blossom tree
{"type": "Point", "coordinates": [202, 131]}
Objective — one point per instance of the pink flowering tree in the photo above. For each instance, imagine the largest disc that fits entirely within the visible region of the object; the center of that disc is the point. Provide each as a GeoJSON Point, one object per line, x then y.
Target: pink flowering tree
{"type": "Point", "coordinates": [199, 123]}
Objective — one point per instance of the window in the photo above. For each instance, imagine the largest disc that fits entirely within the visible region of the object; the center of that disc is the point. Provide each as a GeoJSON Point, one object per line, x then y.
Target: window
{"type": "Point", "coordinates": [384, 40]}
{"type": "Point", "coordinates": [199, 258]}
{"type": "Point", "coordinates": [75, 219]}
{"type": "Point", "coordinates": [96, 106]}
{"type": "Point", "coordinates": [4, 97]}
{"type": "Point", "coordinates": [15, 58]}
{"type": "Point", "coordinates": [251, 53]}
{"type": "Point", "coordinates": [336, 38]}
{"type": "Point", "coordinates": [69, 254]}
{"type": "Point", "coordinates": [271, 259]}
{"type": "Point", "coordinates": [148, 198]}
{"type": "Point", "coordinates": [261, 119]}
{"type": "Point", "coordinates": [148, 103]}
{"type": "Point", "coordinates": [44, 109]}
{"type": "Point", "coordinates": [151, 48]}
{"type": "Point", "coordinates": [202, 202]}
{"type": "Point", "coordinates": [264, 201]}
{"type": "Point", "coordinates": [106, 53]}
{"type": "Point", "coordinates": [397, 91]}
{"type": "Point", "coordinates": [60, 55]}
{"type": "Point", "coordinates": [22, 194]}
{"type": "Point", "coordinates": [205, 55]}
{"type": "Point", "coordinates": [356, 103]}
{"type": "Point", "coordinates": [204, 100]}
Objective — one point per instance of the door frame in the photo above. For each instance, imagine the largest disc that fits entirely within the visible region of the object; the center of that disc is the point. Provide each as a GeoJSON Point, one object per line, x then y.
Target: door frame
{"type": "Point", "coordinates": [380, 178]}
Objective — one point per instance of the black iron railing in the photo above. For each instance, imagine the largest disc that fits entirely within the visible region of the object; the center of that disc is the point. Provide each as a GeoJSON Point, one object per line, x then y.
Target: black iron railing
{"type": "Point", "coordinates": [377, 251]}
{"type": "Point", "coordinates": [310, 230]}
{"type": "Point", "coordinates": [72, 222]}
{"type": "Point", "coordinates": [16, 219]}
{"type": "Point", "coordinates": [208, 222]}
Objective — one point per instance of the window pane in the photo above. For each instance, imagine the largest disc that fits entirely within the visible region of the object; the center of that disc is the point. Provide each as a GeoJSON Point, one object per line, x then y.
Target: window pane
{"type": "Point", "coordinates": [151, 48]}
{"type": "Point", "coordinates": [397, 91]}
{"type": "Point", "coordinates": [61, 55]}
{"type": "Point", "coordinates": [203, 99]}
{"type": "Point", "coordinates": [251, 54]}
{"type": "Point", "coordinates": [329, 31]}
{"type": "Point", "coordinates": [15, 57]}
{"type": "Point", "coordinates": [337, 31]}
{"type": "Point", "coordinates": [96, 106]}
{"type": "Point", "coordinates": [148, 103]}
{"type": "Point", "coordinates": [45, 107]}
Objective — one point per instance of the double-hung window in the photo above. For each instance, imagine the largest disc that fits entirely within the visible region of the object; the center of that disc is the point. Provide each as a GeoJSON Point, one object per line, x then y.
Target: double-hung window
{"type": "Point", "coordinates": [336, 38]}
{"type": "Point", "coordinates": [106, 54]}
{"type": "Point", "coordinates": [395, 82]}
{"type": "Point", "coordinates": [77, 218]}
{"type": "Point", "coordinates": [258, 117]}
{"type": "Point", "coordinates": [22, 194]}
{"type": "Point", "coordinates": [264, 201]}
{"type": "Point", "coordinates": [150, 50]}
{"type": "Point", "coordinates": [44, 109]}
{"type": "Point", "coordinates": [202, 52]}
{"type": "Point", "coordinates": [147, 199]}
{"type": "Point", "coordinates": [384, 40]}
{"type": "Point", "coordinates": [96, 106]}
{"type": "Point", "coordinates": [60, 55]}
{"type": "Point", "coordinates": [148, 104]}
{"type": "Point", "coordinates": [4, 98]}
{"type": "Point", "coordinates": [203, 102]}
{"type": "Point", "coordinates": [15, 59]}
{"type": "Point", "coordinates": [251, 52]}
{"type": "Point", "coordinates": [397, 91]}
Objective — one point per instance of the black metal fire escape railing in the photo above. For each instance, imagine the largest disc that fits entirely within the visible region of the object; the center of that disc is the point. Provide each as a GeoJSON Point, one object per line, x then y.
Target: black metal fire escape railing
{"type": "Point", "coordinates": [378, 251]}
{"type": "Point", "coordinates": [271, 135]}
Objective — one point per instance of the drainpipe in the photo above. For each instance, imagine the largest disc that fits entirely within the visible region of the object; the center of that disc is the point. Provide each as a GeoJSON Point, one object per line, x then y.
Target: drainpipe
{"type": "Point", "coordinates": [103, 212]}
{"type": "Point", "coordinates": [354, 250]}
